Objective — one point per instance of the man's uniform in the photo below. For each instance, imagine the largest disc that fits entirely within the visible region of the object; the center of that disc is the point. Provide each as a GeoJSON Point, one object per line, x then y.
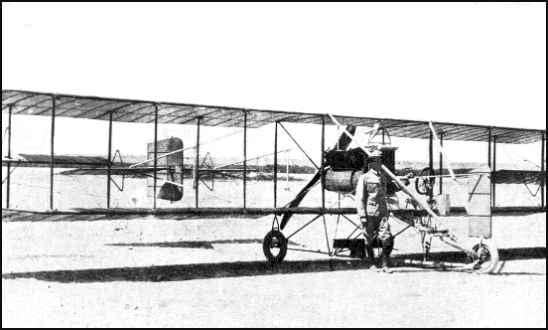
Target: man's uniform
{"type": "Point", "coordinates": [373, 212]}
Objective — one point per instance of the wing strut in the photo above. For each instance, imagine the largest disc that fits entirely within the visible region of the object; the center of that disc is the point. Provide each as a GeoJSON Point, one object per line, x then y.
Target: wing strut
{"type": "Point", "coordinates": [442, 151]}
{"type": "Point", "coordinates": [451, 171]}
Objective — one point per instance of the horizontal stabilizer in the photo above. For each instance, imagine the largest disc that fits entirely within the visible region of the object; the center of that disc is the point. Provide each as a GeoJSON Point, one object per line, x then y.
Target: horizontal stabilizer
{"type": "Point", "coordinates": [519, 177]}
{"type": "Point", "coordinates": [59, 161]}
{"type": "Point", "coordinates": [141, 172]}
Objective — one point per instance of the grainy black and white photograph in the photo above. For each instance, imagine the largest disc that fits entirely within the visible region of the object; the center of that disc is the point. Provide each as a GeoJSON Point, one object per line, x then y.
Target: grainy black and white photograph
{"type": "Point", "coordinates": [242, 165]}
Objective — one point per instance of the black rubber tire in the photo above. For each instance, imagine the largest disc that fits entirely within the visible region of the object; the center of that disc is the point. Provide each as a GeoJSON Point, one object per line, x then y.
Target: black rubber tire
{"type": "Point", "coordinates": [489, 258]}
{"type": "Point", "coordinates": [424, 186]}
{"type": "Point", "coordinates": [275, 237]}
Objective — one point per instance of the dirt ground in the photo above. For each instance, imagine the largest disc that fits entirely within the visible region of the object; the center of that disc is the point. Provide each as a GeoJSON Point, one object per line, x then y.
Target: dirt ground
{"type": "Point", "coordinates": [198, 273]}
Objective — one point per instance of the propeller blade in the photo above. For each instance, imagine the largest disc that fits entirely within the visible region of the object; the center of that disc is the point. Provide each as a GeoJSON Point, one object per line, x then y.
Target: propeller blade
{"type": "Point", "coordinates": [300, 196]}
{"type": "Point", "coordinates": [342, 144]}
{"type": "Point", "coordinates": [345, 140]}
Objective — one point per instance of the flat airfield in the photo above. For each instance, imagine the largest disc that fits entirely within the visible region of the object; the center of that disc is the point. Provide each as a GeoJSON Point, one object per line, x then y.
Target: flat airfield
{"type": "Point", "coordinates": [211, 272]}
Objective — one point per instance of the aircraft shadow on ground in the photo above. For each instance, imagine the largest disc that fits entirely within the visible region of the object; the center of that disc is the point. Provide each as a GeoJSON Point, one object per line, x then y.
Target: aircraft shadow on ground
{"type": "Point", "coordinates": [10, 217]}
{"type": "Point", "coordinates": [208, 245]}
{"type": "Point", "coordinates": [240, 269]}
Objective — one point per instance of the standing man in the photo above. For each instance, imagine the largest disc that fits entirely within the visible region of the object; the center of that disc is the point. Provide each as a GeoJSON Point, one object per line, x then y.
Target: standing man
{"type": "Point", "coordinates": [373, 210]}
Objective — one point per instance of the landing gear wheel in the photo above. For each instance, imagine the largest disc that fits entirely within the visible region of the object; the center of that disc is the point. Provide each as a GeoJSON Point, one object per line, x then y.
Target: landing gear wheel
{"type": "Point", "coordinates": [275, 247]}
{"type": "Point", "coordinates": [488, 258]}
{"type": "Point", "coordinates": [424, 184]}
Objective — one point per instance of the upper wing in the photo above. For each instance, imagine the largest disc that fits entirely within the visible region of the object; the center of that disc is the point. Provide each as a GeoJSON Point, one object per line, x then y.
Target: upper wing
{"type": "Point", "coordinates": [125, 110]}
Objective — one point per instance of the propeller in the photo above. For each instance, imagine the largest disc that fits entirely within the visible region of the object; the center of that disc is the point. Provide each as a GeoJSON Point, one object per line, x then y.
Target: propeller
{"type": "Point", "coordinates": [342, 144]}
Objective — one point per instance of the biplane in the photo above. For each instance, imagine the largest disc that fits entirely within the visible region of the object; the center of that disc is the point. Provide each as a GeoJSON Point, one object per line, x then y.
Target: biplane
{"type": "Point", "coordinates": [413, 199]}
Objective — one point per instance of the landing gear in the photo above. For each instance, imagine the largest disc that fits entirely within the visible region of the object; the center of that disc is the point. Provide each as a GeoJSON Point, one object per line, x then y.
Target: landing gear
{"type": "Point", "coordinates": [482, 258]}
{"type": "Point", "coordinates": [275, 246]}
{"type": "Point", "coordinates": [487, 258]}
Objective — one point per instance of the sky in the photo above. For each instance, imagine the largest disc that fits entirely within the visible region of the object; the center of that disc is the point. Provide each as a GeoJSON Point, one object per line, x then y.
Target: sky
{"type": "Point", "coordinates": [466, 63]}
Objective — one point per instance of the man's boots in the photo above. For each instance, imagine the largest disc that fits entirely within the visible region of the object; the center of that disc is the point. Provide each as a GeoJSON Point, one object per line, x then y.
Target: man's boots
{"type": "Point", "coordinates": [370, 256]}
{"type": "Point", "coordinates": [387, 247]}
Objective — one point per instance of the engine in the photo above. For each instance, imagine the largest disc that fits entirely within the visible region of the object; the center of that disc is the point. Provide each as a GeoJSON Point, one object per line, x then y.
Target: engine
{"type": "Point", "coordinates": [346, 167]}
